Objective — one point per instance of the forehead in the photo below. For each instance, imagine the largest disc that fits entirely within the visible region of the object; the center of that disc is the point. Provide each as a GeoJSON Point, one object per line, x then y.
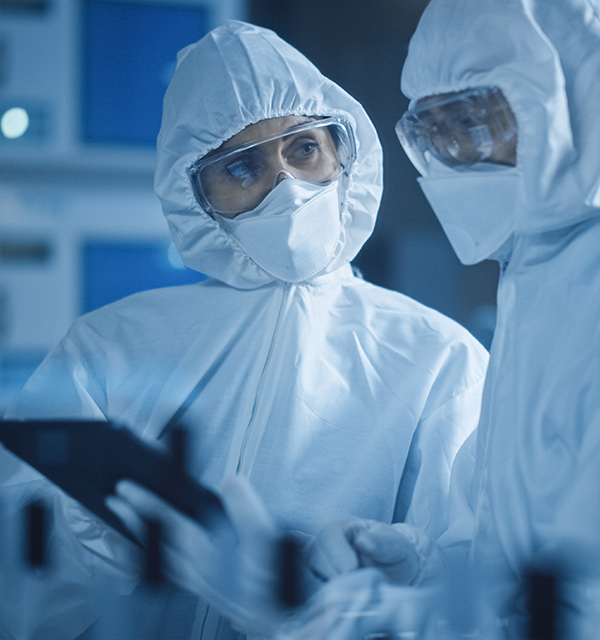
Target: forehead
{"type": "Point", "coordinates": [429, 102]}
{"type": "Point", "coordinates": [262, 129]}
{"type": "Point", "coordinates": [458, 104]}
{"type": "Point", "coordinates": [443, 103]}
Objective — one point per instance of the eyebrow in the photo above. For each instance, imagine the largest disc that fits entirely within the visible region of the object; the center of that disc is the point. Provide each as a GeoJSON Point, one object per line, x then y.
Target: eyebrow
{"type": "Point", "coordinates": [297, 125]}
{"type": "Point", "coordinates": [225, 146]}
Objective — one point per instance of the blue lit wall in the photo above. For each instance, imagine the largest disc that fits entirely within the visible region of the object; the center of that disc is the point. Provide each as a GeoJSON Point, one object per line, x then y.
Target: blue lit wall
{"type": "Point", "coordinates": [113, 270]}
{"type": "Point", "coordinates": [129, 54]}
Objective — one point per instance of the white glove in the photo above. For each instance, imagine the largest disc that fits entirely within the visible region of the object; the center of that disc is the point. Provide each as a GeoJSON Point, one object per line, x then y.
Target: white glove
{"type": "Point", "coordinates": [363, 604]}
{"type": "Point", "coordinates": [404, 554]}
{"type": "Point", "coordinates": [233, 569]}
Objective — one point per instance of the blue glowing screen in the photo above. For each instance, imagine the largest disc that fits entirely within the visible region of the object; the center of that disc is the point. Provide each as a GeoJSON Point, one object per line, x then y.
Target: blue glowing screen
{"type": "Point", "coordinates": [113, 270]}
{"type": "Point", "coordinates": [129, 53]}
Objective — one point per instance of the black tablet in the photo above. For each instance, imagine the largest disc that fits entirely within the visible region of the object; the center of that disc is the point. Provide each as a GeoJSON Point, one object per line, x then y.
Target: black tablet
{"type": "Point", "coordinates": [86, 459]}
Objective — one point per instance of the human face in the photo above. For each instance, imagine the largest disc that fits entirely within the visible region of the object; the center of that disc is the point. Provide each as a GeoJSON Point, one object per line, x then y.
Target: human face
{"type": "Point", "coordinates": [239, 174]}
{"type": "Point", "coordinates": [460, 129]}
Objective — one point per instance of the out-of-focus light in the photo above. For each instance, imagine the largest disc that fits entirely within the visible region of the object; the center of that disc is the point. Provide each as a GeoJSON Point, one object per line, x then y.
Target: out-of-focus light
{"type": "Point", "coordinates": [14, 122]}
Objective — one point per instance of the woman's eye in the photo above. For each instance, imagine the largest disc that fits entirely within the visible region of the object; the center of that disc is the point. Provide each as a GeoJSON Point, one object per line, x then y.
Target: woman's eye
{"type": "Point", "coordinates": [309, 148]}
{"type": "Point", "coordinates": [305, 150]}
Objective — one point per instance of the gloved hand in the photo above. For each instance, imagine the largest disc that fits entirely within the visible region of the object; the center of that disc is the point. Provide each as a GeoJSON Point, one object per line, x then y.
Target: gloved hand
{"type": "Point", "coordinates": [406, 555]}
{"type": "Point", "coordinates": [233, 568]}
{"type": "Point", "coordinates": [363, 604]}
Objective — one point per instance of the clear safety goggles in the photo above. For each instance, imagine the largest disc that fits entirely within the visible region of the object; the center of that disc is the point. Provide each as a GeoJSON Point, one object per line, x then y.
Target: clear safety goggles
{"type": "Point", "coordinates": [238, 179]}
{"type": "Point", "coordinates": [459, 129]}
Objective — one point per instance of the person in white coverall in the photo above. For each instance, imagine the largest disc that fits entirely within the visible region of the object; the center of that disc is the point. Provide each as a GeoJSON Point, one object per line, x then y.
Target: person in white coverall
{"type": "Point", "coordinates": [332, 397]}
{"type": "Point", "coordinates": [504, 128]}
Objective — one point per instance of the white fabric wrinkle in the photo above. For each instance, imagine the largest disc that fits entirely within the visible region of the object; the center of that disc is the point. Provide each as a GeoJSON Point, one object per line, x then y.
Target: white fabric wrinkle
{"type": "Point", "coordinates": [579, 57]}
{"type": "Point", "coordinates": [372, 374]}
{"type": "Point", "coordinates": [465, 387]}
{"type": "Point", "coordinates": [374, 343]}
{"type": "Point", "coordinates": [105, 544]}
{"type": "Point", "coordinates": [369, 369]}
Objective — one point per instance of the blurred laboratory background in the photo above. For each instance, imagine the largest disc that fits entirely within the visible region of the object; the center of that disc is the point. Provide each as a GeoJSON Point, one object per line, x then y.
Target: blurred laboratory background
{"type": "Point", "coordinates": [81, 85]}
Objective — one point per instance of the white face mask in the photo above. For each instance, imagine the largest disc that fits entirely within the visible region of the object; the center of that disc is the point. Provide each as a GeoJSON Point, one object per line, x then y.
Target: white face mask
{"type": "Point", "coordinates": [477, 209]}
{"type": "Point", "coordinates": [294, 231]}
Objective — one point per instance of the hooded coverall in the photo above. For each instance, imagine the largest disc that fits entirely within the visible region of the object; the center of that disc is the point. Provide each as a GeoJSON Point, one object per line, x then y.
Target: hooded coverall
{"type": "Point", "coordinates": [535, 489]}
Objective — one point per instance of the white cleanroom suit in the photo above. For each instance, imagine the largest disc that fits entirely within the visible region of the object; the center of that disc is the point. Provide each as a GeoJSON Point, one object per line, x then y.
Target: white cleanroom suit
{"type": "Point", "coordinates": [538, 452]}
{"type": "Point", "coordinates": [333, 396]}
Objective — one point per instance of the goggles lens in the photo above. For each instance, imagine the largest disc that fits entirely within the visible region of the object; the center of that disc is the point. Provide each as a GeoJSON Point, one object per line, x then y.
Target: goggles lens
{"type": "Point", "coordinates": [459, 129]}
{"type": "Point", "coordinates": [238, 179]}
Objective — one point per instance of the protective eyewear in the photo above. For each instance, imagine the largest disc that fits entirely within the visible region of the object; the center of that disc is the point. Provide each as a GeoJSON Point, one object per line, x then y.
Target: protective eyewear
{"type": "Point", "coordinates": [459, 129]}
{"type": "Point", "coordinates": [237, 180]}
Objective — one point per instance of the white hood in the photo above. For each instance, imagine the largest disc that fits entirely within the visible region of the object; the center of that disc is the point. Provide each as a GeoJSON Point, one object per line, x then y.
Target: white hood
{"type": "Point", "coordinates": [545, 56]}
{"type": "Point", "coordinates": [237, 75]}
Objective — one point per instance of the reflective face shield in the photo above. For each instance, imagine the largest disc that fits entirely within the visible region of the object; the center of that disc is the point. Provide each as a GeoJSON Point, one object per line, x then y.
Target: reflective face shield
{"type": "Point", "coordinates": [459, 129]}
{"type": "Point", "coordinates": [236, 180]}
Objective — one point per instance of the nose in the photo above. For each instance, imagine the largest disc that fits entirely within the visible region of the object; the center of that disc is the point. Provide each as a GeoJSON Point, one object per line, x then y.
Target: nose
{"type": "Point", "coordinates": [281, 174]}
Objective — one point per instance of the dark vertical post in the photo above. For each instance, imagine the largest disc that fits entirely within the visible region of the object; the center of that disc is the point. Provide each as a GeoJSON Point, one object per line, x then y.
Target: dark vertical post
{"type": "Point", "coordinates": [177, 467]}
{"type": "Point", "coordinates": [36, 533]}
{"type": "Point", "coordinates": [178, 445]}
{"type": "Point", "coordinates": [153, 569]}
{"type": "Point", "coordinates": [542, 609]}
{"type": "Point", "coordinates": [290, 582]}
